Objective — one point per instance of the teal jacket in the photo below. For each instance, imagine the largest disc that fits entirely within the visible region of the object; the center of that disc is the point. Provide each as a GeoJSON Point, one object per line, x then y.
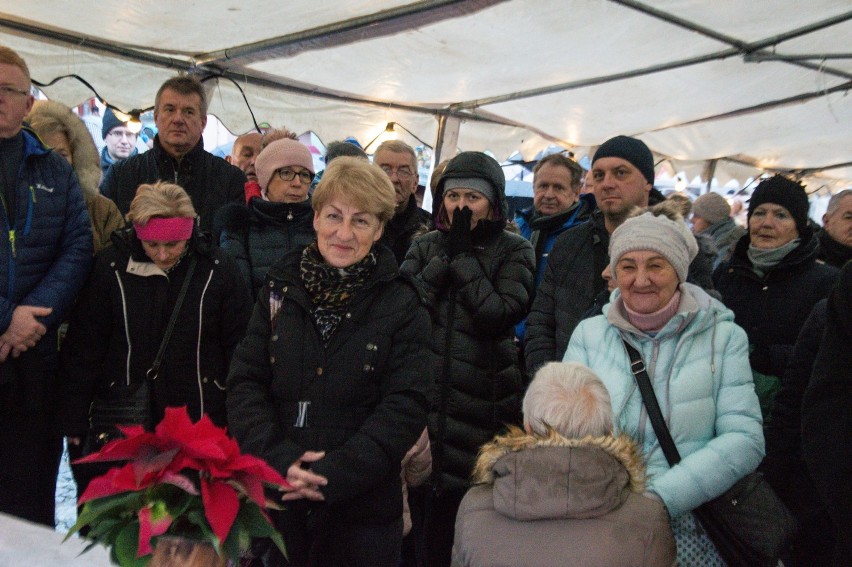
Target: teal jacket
{"type": "Point", "coordinates": [698, 364]}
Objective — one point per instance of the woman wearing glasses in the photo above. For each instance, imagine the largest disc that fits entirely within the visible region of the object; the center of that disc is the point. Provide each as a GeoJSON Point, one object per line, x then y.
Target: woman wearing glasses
{"type": "Point", "coordinates": [278, 221]}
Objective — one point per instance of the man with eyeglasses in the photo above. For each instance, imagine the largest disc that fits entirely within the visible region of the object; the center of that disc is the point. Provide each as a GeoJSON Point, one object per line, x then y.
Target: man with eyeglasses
{"type": "Point", "coordinates": [178, 156]}
{"type": "Point", "coordinates": [45, 255]}
{"type": "Point", "coordinates": [119, 141]}
{"type": "Point", "coordinates": [398, 160]}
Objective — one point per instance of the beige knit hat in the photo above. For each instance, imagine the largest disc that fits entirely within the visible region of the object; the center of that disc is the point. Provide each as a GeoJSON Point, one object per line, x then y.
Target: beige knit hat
{"type": "Point", "coordinates": [671, 239]}
{"type": "Point", "coordinates": [711, 207]}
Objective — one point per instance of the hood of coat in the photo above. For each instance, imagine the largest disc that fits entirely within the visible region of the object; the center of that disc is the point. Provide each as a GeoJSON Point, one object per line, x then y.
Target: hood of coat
{"type": "Point", "coordinates": [478, 165]}
{"type": "Point", "coordinates": [553, 477]}
{"type": "Point", "coordinates": [87, 164]}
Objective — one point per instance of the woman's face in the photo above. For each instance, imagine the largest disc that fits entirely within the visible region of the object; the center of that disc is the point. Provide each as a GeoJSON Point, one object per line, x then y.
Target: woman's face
{"type": "Point", "coordinates": [647, 280]}
{"type": "Point", "coordinates": [59, 142]}
{"type": "Point", "coordinates": [455, 199]}
{"type": "Point", "coordinates": [294, 191]}
{"type": "Point", "coordinates": [771, 226]}
{"type": "Point", "coordinates": [345, 233]}
{"type": "Point", "coordinates": [164, 254]}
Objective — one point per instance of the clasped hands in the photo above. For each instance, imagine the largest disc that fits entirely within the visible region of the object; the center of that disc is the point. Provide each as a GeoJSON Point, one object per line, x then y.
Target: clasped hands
{"type": "Point", "coordinates": [24, 332]}
{"type": "Point", "coordinates": [305, 484]}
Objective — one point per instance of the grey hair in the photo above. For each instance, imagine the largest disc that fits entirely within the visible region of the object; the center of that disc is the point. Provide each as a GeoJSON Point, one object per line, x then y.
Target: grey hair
{"type": "Point", "coordinates": [834, 202]}
{"type": "Point", "coordinates": [569, 398]}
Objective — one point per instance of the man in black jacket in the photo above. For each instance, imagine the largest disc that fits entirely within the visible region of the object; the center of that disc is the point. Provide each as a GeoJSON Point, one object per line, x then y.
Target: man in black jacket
{"type": "Point", "coordinates": [178, 156]}
{"type": "Point", "coordinates": [623, 177]}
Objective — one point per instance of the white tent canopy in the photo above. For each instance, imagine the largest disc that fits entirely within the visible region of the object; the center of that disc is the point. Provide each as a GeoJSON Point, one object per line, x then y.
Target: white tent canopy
{"type": "Point", "coordinates": [762, 84]}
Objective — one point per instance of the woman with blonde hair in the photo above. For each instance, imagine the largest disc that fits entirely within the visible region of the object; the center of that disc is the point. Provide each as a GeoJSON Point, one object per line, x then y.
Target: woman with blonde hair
{"type": "Point", "coordinates": [159, 318]}
{"type": "Point", "coordinates": [329, 385]}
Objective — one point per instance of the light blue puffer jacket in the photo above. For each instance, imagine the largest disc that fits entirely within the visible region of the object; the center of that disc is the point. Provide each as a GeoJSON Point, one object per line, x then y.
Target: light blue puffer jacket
{"type": "Point", "coordinates": [698, 364]}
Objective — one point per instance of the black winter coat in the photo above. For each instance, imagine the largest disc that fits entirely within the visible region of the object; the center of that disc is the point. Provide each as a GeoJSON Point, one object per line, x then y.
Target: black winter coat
{"type": "Point", "coordinates": [364, 391]}
{"type": "Point", "coordinates": [403, 227]}
{"type": "Point", "coordinates": [773, 309]}
{"type": "Point", "coordinates": [210, 181]}
{"type": "Point", "coordinates": [119, 321]}
{"type": "Point", "coordinates": [258, 235]}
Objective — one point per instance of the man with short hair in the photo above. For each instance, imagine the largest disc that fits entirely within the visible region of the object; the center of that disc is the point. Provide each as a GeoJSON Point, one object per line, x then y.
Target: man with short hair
{"type": "Point", "coordinates": [398, 160]}
{"type": "Point", "coordinates": [178, 156]}
{"type": "Point", "coordinates": [622, 176]}
{"type": "Point", "coordinates": [45, 255]}
{"type": "Point", "coordinates": [243, 154]}
{"type": "Point", "coordinates": [566, 490]}
{"type": "Point", "coordinates": [119, 141]}
{"type": "Point", "coordinates": [835, 238]}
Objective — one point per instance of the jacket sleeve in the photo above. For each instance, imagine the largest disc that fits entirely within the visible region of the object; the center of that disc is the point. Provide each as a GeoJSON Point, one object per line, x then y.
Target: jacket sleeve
{"type": "Point", "coordinates": [69, 270]}
{"type": "Point", "coordinates": [85, 348]}
{"type": "Point", "coordinates": [234, 245]}
{"type": "Point", "coordinates": [377, 449]}
{"type": "Point", "coordinates": [540, 334]}
{"type": "Point", "coordinates": [498, 303]}
{"type": "Point", "coordinates": [109, 183]}
{"type": "Point", "coordinates": [430, 273]}
{"type": "Point", "coordinates": [236, 310]}
{"type": "Point", "coordinates": [737, 447]}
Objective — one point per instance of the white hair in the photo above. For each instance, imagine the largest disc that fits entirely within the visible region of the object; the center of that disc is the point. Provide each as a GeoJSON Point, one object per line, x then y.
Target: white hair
{"type": "Point", "coordinates": [569, 398]}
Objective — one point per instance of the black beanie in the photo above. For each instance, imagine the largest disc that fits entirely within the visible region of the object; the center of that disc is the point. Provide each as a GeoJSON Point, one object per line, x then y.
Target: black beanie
{"type": "Point", "coordinates": [110, 121]}
{"type": "Point", "coordinates": [631, 149]}
{"type": "Point", "coordinates": [789, 194]}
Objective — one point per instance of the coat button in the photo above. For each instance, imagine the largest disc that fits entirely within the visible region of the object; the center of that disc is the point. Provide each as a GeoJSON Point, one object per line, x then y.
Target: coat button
{"type": "Point", "coordinates": [367, 368]}
{"type": "Point", "coordinates": [349, 315]}
{"type": "Point", "coordinates": [319, 371]}
{"type": "Point", "coordinates": [371, 346]}
{"type": "Point", "coordinates": [274, 337]}
{"type": "Point", "coordinates": [271, 360]}
{"type": "Point", "coordinates": [205, 380]}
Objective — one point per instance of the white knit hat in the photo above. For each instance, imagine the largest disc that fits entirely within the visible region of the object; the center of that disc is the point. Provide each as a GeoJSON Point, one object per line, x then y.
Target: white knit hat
{"type": "Point", "coordinates": [671, 239]}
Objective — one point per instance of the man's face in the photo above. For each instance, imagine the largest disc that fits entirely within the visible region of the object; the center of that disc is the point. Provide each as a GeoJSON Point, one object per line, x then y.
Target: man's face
{"type": "Point", "coordinates": [179, 122]}
{"type": "Point", "coordinates": [552, 190]}
{"type": "Point", "coordinates": [244, 153]}
{"type": "Point", "coordinates": [838, 224]}
{"type": "Point", "coordinates": [15, 99]}
{"type": "Point", "coordinates": [618, 186]}
{"type": "Point", "coordinates": [402, 170]}
{"type": "Point", "coordinates": [120, 142]}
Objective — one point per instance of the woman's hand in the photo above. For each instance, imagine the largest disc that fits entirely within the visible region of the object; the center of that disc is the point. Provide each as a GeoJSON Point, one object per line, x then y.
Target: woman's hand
{"type": "Point", "coordinates": [304, 482]}
{"type": "Point", "coordinates": [460, 238]}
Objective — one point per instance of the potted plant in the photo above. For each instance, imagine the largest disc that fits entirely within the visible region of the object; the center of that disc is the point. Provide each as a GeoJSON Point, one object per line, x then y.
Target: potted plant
{"type": "Point", "coordinates": [183, 479]}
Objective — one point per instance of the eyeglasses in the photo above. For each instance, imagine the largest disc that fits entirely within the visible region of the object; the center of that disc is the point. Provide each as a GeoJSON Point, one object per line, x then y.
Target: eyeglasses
{"type": "Point", "coordinates": [7, 91]}
{"type": "Point", "coordinates": [116, 133]}
{"type": "Point", "coordinates": [401, 172]}
{"type": "Point", "coordinates": [286, 174]}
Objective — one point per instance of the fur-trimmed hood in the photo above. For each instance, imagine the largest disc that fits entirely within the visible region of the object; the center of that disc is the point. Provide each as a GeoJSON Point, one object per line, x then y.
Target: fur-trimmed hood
{"type": "Point", "coordinates": [87, 164]}
{"type": "Point", "coordinates": [535, 477]}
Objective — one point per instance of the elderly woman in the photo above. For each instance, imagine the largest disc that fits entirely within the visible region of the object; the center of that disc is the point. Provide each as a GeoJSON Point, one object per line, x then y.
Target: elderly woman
{"type": "Point", "coordinates": [697, 361]}
{"type": "Point", "coordinates": [479, 281]}
{"type": "Point", "coordinates": [63, 131]}
{"type": "Point", "coordinates": [278, 221]}
{"type": "Point", "coordinates": [116, 331]}
{"type": "Point", "coordinates": [329, 385]}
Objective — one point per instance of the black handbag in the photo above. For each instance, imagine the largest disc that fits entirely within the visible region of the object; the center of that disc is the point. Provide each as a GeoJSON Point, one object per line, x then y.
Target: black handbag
{"type": "Point", "coordinates": [749, 525]}
{"type": "Point", "coordinates": [105, 414]}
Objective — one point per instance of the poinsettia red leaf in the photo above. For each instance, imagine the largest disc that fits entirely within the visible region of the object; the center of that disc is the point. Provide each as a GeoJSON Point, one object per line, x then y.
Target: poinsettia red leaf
{"type": "Point", "coordinates": [252, 487]}
{"type": "Point", "coordinates": [181, 481]}
{"type": "Point", "coordinates": [250, 465]}
{"type": "Point", "coordinates": [196, 440]}
{"type": "Point", "coordinates": [154, 463]}
{"type": "Point", "coordinates": [149, 527]}
{"type": "Point", "coordinates": [125, 449]}
{"type": "Point", "coordinates": [221, 504]}
{"type": "Point", "coordinates": [115, 481]}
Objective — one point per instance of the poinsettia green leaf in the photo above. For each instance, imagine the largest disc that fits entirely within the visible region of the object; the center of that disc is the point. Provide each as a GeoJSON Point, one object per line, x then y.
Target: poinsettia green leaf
{"type": "Point", "coordinates": [125, 547]}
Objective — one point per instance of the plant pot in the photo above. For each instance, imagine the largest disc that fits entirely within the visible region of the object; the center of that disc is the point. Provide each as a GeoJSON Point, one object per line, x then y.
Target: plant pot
{"type": "Point", "coordinates": [174, 551]}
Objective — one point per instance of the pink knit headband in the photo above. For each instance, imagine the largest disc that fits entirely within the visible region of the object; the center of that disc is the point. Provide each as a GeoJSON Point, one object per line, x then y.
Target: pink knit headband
{"type": "Point", "coordinates": [165, 230]}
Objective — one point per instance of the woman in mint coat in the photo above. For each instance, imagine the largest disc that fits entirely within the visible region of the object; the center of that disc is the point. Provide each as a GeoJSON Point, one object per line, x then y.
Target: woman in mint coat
{"type": "Point", "coordinates": [697, 360]}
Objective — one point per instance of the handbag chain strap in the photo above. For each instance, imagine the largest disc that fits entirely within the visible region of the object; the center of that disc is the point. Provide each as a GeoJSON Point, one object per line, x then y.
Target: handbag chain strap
{"type": "Point", "coordinates": [652, 406]}
{"type": "Point", "coordinates": [154, 371]}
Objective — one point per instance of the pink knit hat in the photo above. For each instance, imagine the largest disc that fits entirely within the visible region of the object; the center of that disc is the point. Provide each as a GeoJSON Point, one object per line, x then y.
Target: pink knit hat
{"type": "Point", "coordinates": [278, 154]}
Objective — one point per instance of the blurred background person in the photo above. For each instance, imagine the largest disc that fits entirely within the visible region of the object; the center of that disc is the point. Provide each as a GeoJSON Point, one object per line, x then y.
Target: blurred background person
{"type": "Point", "coordinates": [478, 278]}
{"type": "Point", "coordinates": [278, 221]}
{"type": "Point", "coordinates": [711, 215]}
{"type": "Point", "coordinates": [835, 238]}
{"type": "Point", "coordinates": [329, 386]}
{"type": "Point", "coordinates": [593, 512]}
{"type": "Point", "coordinates": [697, 361]}
{"type": "Point", "coordinates": [119, 141]}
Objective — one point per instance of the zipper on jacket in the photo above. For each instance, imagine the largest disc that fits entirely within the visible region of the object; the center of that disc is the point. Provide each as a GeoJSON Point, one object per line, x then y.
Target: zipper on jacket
{"type": "Point", "coordinates": [438, 465]}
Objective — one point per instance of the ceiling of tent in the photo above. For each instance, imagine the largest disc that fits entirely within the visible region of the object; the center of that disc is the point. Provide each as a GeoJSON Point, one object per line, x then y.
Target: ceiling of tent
{"type": "Point", "coordinates": [763, 84]}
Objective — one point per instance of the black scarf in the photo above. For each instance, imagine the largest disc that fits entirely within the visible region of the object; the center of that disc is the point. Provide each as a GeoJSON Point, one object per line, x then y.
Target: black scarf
{"type": "Point", "coordinates": [833, 252]}
{"type": "Point", "coordinates": [331, 289]}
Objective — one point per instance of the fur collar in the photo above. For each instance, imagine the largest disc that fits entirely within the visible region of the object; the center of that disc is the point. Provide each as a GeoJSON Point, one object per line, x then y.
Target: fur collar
{"type": "Point", "coordinates": [622, 448]}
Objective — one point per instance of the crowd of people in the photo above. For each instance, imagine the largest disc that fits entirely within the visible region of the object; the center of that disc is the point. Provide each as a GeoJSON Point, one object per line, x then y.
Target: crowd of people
{"type": "Point", "coordinates": [447, 388]}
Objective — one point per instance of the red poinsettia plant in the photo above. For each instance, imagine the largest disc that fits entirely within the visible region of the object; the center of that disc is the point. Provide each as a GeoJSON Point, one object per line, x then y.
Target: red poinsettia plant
{"type": "Point", "coordinates": [183, 479]}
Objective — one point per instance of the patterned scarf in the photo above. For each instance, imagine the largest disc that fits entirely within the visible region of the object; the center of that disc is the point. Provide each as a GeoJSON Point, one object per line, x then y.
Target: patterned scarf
{"type": "Point", "coordinates": [331, 289]}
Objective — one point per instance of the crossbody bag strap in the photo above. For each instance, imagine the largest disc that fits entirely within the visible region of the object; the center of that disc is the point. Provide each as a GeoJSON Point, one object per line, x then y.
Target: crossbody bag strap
{"type": "Point", "coordinates": [652, 406]}
{"type": "Point", "coordinates": [158, 360]}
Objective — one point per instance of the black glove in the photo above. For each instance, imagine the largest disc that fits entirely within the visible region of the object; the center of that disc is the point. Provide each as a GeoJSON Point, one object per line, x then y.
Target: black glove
{"type": "Point", "coordinates": [459, 238]}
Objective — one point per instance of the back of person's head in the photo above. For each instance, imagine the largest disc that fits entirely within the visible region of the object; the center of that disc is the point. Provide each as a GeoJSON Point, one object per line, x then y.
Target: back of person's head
{"type": "Point", "coordinates": [711, 207]}
{"type": "Point", "coordinates": [570, 399]}
{"type": "Point", "coordinates": [161, 200]}
{"type": "Point", "coordinates": [275, 134]}
{"type": "Point", "coordinates": [9, 56]}
{"type": "Point", "coordinates": [342, 148]}
{"type": "Point", "coordinates": [835, 200]}
{"type": "Point", "coordinates": [184, 85]}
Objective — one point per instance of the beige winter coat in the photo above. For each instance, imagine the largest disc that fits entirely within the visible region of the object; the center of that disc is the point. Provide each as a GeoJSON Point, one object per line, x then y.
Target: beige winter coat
{"type": "Point", "coordinates": [548, 501]}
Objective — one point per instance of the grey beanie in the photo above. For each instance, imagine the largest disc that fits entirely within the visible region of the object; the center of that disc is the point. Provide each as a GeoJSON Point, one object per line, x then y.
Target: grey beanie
{"type": "Point", "coordinates": [671, 239]}
{"type": "Point", "coordinates": [711, 207]}
{"type": "Point", "coordinates": [474, 183]}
